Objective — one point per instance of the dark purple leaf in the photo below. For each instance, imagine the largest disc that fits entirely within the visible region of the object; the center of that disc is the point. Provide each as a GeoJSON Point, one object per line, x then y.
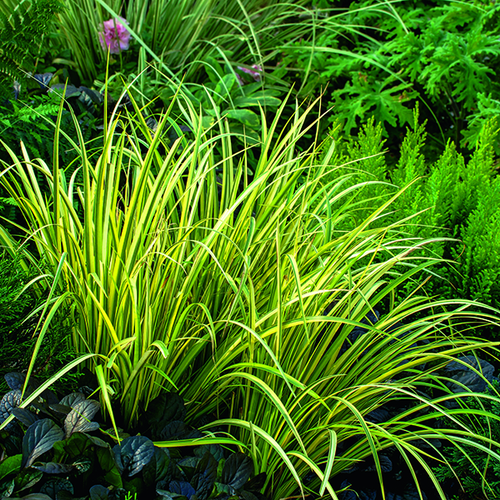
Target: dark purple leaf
{"type": "Point", "coordinates": [159, 467]}
{"type": "Point", "coordinates": [385, 465]}
{"type": "Point", "coordinates": [181, 488]}
{"type": "Point", "coordinates": [72, 399]}
{"type": "Point", "coordinates": [164, 409]}
{"type": "Point", "coordinates": [256, 483]}
{"type": "Point", "coordinates": [173, 430]}
{"type": "Point", "coordinates": [214, 449]}
{"type": "Point", "coordinates": [167, 495]}
{"type": "Point", "coordinates": [247, 495]}
{"type": "Point", "coordinates": [79, 419]}
{"type": "Point", "coordinates": [15, 380]}
{"type": "Point", "coordinates": [10, 400]}
{"type": "Point", "coordinates": [99, 492]}
{"type": "Point", "coordinates": [53, 468]}
{"type": "Point", "coordinates": [236, 471]}
{"type": "Point", "coordinates": [60, 408]}
{"type": "Point", "coordinates": [56, 484]}
{"type": "Point", "coordinates": [39, 438]}
{"type": "Point", "coordinates": [133, 454]}
{"type": "Point", "coordinates": [204, 476]}
{"type": "Point", "coordinates": [24, 416]}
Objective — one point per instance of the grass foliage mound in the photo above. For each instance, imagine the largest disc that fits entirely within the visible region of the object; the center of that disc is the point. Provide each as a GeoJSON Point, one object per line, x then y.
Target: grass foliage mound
{"type": "Point", "coordinates": [243, 290]}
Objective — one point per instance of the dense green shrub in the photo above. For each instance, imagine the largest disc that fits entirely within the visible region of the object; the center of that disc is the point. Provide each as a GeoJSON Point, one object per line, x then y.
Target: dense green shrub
{"type": "Point", "coordinates": [456, 200]}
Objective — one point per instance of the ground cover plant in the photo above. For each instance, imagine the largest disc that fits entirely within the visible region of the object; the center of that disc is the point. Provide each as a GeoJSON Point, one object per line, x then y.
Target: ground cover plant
{"type": "Point", "coordinates": [61, 437]}
{"type": "Point", "coordinates": [246, 294]}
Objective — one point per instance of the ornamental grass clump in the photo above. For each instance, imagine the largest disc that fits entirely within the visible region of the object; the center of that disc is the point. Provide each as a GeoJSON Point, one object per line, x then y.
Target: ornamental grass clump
{"type": "Point", "coordinates": [238, 289]}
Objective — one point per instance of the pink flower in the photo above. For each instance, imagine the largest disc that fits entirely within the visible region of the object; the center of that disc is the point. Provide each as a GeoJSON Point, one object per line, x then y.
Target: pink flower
{"type": "Point", "coordinates": [256, 75]}
{"type": "Point", "coordinates": [115, 36]}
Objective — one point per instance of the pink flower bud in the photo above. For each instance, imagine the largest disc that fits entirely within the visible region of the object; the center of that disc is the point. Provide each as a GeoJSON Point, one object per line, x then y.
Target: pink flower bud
{"type": "Point", "coordinates": [115, 36]}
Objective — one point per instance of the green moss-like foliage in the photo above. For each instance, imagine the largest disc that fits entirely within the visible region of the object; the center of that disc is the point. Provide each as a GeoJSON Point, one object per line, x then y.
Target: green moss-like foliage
{"type": "Point", "coordinates": [17, 334]}
{"type": "Point", "coordinates": [21, 39]}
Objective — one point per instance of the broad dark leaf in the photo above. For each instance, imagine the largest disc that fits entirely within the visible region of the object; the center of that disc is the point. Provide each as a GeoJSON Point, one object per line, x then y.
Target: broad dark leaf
{"type": "Point", "coordinates": [133, 454]}
{"type": "Point", "coordinates": [72, 399]}
{"type": "Point", "coordinates": [50, 397]}
{"type": "Point", "coordinates": [79, 419]}
{"type": "Point", "coordinates": [73, 448]}
{"type": "Point", "coordinates": [164, 409]}
{"type": "Point", "coordinates": [11, 439]}
{"type": "Point", "coordinates": [385, 465]}
{"type": "Point", "coordinates": [256, 483]}
{"type": "Point", "coordinates": [53, 468]}
{"type": "Point", "coordinates": [181, 488]}
{"type": "Point", "coordinates": [162, 485]}
{"type": "Point", "coordinates": [82, 465]}
{"type": "Point", "coordinates": [98, 441]}
{"type": "Point", "coordinates": [39, 438]}
{"type": "Point", "coordinates": [99, 492]}
{"type": "Point", "coordinates": [167, 495]}
{"type": "Point", "coordinates": [204, 476]}
{"type": "Point", "coordinates": [187, 467]}
{"type": "Point", "coordinates": [159, 467]}
{"type": "Point", "coordinates": [172, 430]}
{"type": "Point", "coordinates": [15, 380]}
{"type": "Point", "coordinates": [10, 400]}
{"type": "Point", "coordinates": [236, 471]}
{"type": "Point", "coordinates": [24, 416]}
{"type": "Point", "coordinates": [247, 495]}
{"type": "Point", "coordinates": [27, 478]}
{"type": "Point", "coordinates": [56, 484]}
{"type": "Point", "coordinates": [60, 408]}
{"type": "Point", "coordinates": [214, 449]}
{"type": "Point", "coordinates": [7, 488]}
{"type": "Point", "coordinates": [69, 89]}
{"type": "Point", "coordinates": [107, 462]}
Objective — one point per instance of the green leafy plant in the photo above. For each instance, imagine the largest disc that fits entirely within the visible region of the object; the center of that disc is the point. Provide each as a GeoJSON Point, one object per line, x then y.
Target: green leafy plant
{"type": "Point", "coordinates": [227, 95]}
{"type": "Point", "coordinates": [178, 36]}
{"type": "Point", "coordinates": [444, 56]}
